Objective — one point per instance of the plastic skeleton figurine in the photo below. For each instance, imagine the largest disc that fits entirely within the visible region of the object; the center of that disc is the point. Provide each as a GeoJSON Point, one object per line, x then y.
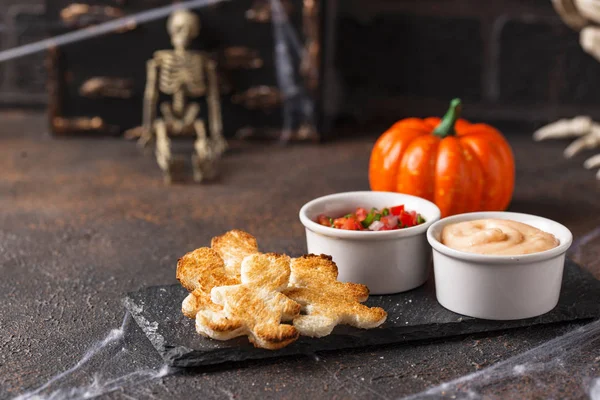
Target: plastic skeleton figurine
{"type": "Point", "coordinates": [182, 73]}
{"type": "Point", "coordinates": [580, 15]}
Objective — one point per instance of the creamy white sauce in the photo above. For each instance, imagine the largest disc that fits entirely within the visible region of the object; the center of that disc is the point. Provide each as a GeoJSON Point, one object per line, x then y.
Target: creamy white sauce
{"type": "Point", "coordinates": [497, 237]}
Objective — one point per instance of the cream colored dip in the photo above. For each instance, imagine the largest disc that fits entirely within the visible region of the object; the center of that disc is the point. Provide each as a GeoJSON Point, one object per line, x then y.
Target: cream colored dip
{"type": "Point", "coordinates": [497, 237]}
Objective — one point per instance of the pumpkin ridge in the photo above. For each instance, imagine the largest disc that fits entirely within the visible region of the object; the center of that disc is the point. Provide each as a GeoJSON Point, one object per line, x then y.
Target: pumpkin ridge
{"type": "Point", "coordinates": [464, 187]}
{"type": "Point", "coordinates": [416, 174]}
{"type": "Point", "coordinates": [486, 149]}
{"type": "Point", "coordinates": [386, 158]}
{"type": "Point", "coordinates": [505, 159]}
{"type": "Point", "coordinates": [474, 167]}
{"type": "Point", "coordinates": [480, 174]}
{"type": "Point", "coordinates": [453, 178]}
{"type": "Point", "coordinates": [508, 160]}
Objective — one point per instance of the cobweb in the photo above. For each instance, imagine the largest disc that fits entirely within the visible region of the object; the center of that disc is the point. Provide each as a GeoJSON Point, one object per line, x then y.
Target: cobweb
{"type": "Point", "coordinates": [297, 105]}
{"type": "Point", "coordinates": [547, 370]}
{"type": "Point", "coordinates": [566, 367]}
{"type": "Point", "coordinates": [102, 29]}
{"type": "Point", "coordinates": [116, 353]}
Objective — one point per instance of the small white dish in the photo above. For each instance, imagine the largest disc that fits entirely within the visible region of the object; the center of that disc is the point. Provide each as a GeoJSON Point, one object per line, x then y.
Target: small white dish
{"type": "Point", "coordinates": [386, 261]}
{"type": "Point", "coordinates": [499, 287]}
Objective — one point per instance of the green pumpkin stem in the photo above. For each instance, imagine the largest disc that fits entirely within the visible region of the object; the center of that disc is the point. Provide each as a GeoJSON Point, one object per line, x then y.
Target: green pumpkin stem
{"type": "Point", "coordinates": [446, 126]}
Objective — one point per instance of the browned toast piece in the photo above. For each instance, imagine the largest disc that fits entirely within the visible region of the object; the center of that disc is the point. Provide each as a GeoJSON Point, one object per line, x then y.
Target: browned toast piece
{"type": "Point", "coordinates": [255, 307]}
{"type": "Point", "coordinates": [233, 247]}
{"type": "Point", "coordinates": [228, 251]}
{"type": "Point", "coordinates": [237, 291]}
{"type": "Point", "coordinates": [199, 271]}
{"type": "Point", "coordinates": [325, 301]}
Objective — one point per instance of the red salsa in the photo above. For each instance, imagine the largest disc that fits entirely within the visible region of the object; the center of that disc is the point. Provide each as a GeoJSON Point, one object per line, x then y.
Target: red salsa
{"type": "Point", "coordinates": [387, 219]}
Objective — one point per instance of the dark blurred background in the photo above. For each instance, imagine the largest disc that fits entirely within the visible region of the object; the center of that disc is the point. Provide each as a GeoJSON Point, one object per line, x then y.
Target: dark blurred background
{"type": "Point", "coordinates": [514, 63]}
{"type": "Point", "coordinates": [511, 61]}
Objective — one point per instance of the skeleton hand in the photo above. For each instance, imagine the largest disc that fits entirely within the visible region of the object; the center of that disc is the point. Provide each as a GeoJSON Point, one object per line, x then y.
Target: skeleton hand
{"type": "Point", "coordinates": [588, 141]}
{"type": "Point", "coordinates": [583, 16]}
{"type": "Point", "coordinates": [587, 131]}
{"type": "Point", "coordinates": [589, 40]}
{"type": "Point", "coordinates": [563, 128]}
{"type": "Point", "coordinates": [593, 162]}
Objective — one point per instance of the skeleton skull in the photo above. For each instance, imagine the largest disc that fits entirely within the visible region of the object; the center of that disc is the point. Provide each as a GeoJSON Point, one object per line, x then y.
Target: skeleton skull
{"type": "Point", "coordinates": [183, 26]}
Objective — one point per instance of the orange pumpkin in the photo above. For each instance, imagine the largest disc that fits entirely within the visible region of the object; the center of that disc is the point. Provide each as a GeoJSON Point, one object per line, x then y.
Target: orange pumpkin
{"type": "Point", "coordinates": [460, 166]}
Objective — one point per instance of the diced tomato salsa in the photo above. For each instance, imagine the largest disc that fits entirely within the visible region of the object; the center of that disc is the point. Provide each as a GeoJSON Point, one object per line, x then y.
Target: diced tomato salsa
{"type": "Point", "coordinates": [387, 219]}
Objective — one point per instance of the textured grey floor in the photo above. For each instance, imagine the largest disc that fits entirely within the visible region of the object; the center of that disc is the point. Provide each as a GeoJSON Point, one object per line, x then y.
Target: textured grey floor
{"type": "Point", "coordinates": [83, 222]}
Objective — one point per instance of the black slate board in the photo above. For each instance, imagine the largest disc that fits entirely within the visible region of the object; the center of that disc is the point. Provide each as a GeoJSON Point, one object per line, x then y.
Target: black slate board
{"type": "Point", "coordinates": [414, 315]}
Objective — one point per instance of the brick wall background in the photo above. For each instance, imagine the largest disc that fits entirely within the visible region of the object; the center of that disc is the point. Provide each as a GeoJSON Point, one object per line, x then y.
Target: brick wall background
{"type": "Point", "coordinates": [511, 61]}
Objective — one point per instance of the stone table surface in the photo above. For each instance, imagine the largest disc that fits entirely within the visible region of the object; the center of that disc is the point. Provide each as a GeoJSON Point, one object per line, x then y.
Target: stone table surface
{"type": "Point", "coordinates": [84, 221]}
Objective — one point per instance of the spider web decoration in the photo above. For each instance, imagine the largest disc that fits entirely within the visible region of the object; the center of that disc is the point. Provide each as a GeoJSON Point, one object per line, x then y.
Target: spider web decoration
{"type": "Point", "coordinates": [547, 367]}
{"type": "Point", "coordinates": [297, 105]}
{"type": "Point", "coordinates": [83, 381]}
{"type": "Point", "coordinates": [102, 29]}
{"type": "Point", "coordinates": [546, 370]}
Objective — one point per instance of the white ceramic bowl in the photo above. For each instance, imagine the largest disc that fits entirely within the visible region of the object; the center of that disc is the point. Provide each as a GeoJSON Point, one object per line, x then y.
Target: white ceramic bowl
{"type": "Point", "coordinates": [499, 287]}
{"type": "Point", "coordinates": [385, 261]}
